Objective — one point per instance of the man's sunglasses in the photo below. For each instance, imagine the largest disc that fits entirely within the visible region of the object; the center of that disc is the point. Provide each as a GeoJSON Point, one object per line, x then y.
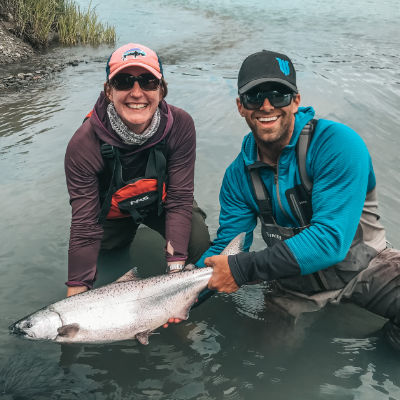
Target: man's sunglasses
{"type": "Point", "coordinates": [126, 82]}
{"type": "Point", "coordinates": [254, 100]}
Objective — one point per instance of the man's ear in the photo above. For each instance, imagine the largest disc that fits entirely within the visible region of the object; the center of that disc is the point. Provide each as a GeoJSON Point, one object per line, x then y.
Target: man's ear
{"type": "Point", "coordinates": [296, 102]}
{"type": "Point", "coordinates": [239, 106]}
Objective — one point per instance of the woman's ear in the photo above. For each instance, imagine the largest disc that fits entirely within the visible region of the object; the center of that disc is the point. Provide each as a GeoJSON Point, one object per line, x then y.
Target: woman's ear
{"type": "Point", "coordinates": [108, 91]}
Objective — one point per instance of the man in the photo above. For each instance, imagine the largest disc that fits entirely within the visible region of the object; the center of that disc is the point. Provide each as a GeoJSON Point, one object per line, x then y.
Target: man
{"type": "Point", "coordinates": [312, 184]}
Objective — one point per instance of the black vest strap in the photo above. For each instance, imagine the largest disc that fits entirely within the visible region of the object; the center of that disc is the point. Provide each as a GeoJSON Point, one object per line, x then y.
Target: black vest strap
{"type": "Point", "coordinates": [156, 167]}
{"type": "Point", "coordinates": [262, 197]}
{"type": "Point", "coordinates": [301, 151]}
{"type": "Point", "coordinates": [108, 153]}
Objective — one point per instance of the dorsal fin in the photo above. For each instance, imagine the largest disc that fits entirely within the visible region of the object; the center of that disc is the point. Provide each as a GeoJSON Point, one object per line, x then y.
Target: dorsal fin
{"type": "Point", "coordinates": [235, 246]}
{"type": "Point", "coordinates": [131, 275]}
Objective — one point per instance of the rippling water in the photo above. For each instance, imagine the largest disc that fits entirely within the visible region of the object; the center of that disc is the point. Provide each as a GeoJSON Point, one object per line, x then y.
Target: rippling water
{"type": "Point", "coordinates": [232, 347]}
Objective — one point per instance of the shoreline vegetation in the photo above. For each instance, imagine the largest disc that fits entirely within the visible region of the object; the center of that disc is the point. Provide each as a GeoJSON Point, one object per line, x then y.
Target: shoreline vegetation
{"type": "Point", "coordinates": [40, 22]}
{"type": "Point", "coordinates": [27, 27]}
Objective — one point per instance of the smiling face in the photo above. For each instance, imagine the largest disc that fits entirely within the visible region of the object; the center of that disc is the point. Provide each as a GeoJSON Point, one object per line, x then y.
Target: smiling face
{"type": "Point", "coordinates": [135, 106]}
{"type": "Point", "coordinates": [271, 126]}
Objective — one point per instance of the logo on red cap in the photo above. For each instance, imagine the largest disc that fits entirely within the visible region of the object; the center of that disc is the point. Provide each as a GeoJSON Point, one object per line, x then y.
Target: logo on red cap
{"type": "Point", "coordinates": [135, 52]}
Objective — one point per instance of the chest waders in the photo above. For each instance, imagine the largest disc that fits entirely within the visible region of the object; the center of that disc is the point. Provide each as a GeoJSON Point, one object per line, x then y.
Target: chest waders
{"type": "Point", "coordinates": [299, 199]}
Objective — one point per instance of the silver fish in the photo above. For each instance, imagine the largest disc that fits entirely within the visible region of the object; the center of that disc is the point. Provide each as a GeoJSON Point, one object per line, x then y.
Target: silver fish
{"type": "Point", "coordinates": [126, 309]}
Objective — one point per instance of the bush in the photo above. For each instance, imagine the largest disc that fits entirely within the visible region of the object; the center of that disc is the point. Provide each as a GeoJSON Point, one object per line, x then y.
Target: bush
{"type": "Point", "coordinates": [36, 20]}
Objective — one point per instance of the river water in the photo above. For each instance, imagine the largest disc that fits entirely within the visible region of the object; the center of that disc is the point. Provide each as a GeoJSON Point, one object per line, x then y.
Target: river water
{"type": "Point", "coordinates": [232, 347]}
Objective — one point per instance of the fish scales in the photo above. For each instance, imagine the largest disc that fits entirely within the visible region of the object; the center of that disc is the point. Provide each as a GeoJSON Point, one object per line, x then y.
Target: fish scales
{"type": "Point", "coordinates": [125, 309]}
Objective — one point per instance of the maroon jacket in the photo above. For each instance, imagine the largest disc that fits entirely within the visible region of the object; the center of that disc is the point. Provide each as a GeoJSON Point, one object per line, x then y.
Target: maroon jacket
{"type": "Point", "coordinates": [84, 163]}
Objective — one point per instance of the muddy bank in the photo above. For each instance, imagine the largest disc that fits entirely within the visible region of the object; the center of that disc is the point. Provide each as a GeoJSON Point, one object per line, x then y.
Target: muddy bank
{"type": "Point", "coordinates": [21, 65]}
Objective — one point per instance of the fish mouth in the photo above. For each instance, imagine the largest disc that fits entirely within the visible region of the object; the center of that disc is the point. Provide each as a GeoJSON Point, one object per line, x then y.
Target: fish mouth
{"type": "Point", "coordinates": [16, 330]}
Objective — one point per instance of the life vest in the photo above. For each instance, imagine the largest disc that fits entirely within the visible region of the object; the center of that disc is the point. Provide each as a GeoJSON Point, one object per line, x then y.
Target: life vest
{"type": "Point", "coordinates": [299, 199]}
{"type": "Point", "coordinates": [124, 193]}
{"type": "Point", "coordinates": [136, 196]}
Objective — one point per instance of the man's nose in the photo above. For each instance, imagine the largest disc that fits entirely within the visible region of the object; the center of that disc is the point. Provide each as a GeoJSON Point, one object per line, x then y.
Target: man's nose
{"type": "Point", "coordinates": [266, 106]}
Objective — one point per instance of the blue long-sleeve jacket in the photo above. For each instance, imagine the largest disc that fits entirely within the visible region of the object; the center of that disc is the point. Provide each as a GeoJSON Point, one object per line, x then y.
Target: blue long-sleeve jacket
{"type": "Point", "coordinates": [340, 167]}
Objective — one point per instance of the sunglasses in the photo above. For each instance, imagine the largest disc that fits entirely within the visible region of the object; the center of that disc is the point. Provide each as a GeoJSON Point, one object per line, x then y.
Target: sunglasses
{"type": "Point", "coordinates": [254, 100]}
{"type": "Point", "coordinates": [126, 82]}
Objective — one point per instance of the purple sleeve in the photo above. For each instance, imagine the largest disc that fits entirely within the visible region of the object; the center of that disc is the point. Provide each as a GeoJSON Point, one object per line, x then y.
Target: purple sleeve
{"type": "Point", "coordinates": [82, 163]}
{"type": "Point", "coordinates": [181, 161]}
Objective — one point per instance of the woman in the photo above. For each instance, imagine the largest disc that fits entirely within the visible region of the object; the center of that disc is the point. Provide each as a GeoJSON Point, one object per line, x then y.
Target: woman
{"type": "Point", "coordinates": [132, 162]}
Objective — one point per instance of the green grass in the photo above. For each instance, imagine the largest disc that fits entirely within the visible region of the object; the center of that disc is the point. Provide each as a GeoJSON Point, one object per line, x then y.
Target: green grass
{"type": "Point", "coordinates": [37, 20]}
{"type": "Point", "coordinates": [77, 26]}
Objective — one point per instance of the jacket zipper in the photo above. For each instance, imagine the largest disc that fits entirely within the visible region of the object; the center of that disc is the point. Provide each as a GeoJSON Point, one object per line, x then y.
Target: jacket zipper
{"type": "Point", "coordinates": [276, 181]}
{"type": "Point", "coordinates": [297, 209]}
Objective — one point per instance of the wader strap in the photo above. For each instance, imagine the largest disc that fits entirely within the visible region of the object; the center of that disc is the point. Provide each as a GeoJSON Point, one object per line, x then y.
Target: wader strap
{"type": "Point", "coordinates": [109, 154]}
{"type": "Point", "coordinates": [301, 150]}
{"type": "Point", "coordinates": [156, 167]}
{"type": "Point", "coordinates": [262, 197]}
{"type": "Point", "coordinates": [137, 217]}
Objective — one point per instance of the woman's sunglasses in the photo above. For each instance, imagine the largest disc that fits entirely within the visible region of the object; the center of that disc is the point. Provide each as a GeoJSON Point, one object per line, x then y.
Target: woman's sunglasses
{"type": "Point", "coordinates": [254, 100]}
{"type": "Point", "coordinates": [126, 82]}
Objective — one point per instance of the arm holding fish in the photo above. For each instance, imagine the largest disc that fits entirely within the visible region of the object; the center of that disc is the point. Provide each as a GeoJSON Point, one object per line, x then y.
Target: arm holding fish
{"type": "Point", "coordinates": [237, 215]}
{"type": "Point", "coordinates": [83, 161]}
{"type": "Point", "coordinates": [179, 203]}
{"type": "Point", "coordinates": [341, 171]}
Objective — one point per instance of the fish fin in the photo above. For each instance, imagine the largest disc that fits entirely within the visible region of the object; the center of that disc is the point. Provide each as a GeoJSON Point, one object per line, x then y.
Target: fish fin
{"type": "Point", "coordinates": [131, 275]}
{"type": "Point", "coordinates": [143, 337]}
{"type": "Point", "coordinates": [189, 267]}
{"type": "Point", "coordinates": [235, 246]}
{"type": "Point", "coordinates": [183, 312]}
{"type": "Point", "coordinates": [68, 330]}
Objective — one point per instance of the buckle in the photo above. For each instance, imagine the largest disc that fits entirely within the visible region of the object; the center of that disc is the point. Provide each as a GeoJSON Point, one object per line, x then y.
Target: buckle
{"type": "Point", "coordinates": [107, 150]}
{"type": "Point", "coordinates": [174, 268]}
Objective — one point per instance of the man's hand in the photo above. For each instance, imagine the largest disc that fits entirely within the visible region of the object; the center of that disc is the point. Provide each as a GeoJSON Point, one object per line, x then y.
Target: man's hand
{"type": "Point", "coordinates": [75, 290]}
{"type": "Point", "coordinates": [221, 279]}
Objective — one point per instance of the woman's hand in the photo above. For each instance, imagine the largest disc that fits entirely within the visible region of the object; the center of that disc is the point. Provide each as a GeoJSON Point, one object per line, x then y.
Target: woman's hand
{"type": "Point", "coordinates": [76, 290]}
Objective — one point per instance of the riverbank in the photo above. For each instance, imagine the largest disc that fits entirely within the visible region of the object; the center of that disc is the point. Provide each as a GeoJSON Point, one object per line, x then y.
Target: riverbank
{"type": "Point", "coordinates": [12, 48]}
{"type": "Point", "coordinates": [21, 65]}
{"type": "Point", "coordinates": [28, 31]}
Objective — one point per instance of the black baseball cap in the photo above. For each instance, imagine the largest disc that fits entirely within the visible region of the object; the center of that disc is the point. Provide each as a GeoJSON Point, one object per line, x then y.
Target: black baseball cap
{"type": "Point", "coordinates": [266, 66]}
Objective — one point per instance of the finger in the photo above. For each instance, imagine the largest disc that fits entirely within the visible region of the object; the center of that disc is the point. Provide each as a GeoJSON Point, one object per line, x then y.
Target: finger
{"type": "Point", "coordinates": [208, 261]}
{"type": "Point", "coordinates": [165, 326]}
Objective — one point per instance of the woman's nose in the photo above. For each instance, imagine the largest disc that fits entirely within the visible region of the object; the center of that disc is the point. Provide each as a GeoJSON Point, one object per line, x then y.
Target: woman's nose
{"type": "Point", "coordinates": [136, 90]}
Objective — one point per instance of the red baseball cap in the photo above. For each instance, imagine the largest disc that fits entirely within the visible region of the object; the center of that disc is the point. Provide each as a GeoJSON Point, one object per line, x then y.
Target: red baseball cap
{"type": "Point", "coordinates": [134, 54]}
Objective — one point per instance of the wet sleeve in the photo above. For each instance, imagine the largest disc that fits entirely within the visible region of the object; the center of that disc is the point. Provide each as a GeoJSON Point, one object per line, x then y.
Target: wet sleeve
{"type": "Point", "coordinates": [269, 264]}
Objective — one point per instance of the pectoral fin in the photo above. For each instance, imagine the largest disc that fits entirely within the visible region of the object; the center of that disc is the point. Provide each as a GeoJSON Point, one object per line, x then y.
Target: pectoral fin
{"type": "Point", "coordinates": [143, 337]}
{"type": "Point", "coordinates": [68, 331]}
